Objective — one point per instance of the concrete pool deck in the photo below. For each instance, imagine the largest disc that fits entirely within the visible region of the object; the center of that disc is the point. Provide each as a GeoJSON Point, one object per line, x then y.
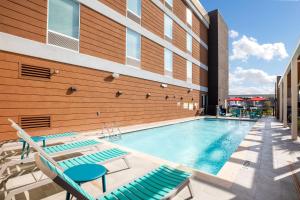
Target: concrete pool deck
{"type": "Point", "coordinates": [265, 166]}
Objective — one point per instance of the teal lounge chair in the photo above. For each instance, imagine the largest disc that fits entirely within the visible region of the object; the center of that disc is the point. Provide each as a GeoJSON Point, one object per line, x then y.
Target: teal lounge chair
{"type": "Point", "coordinates": [161, 183]}
{"type": "Point", "coordinates": [100, 157]}
{"type": "Point", "coordinates": [55, 150]}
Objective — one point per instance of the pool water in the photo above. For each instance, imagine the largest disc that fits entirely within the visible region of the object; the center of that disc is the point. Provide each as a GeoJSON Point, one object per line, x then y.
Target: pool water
{"type": "Point", "coordinates": [204, 144]}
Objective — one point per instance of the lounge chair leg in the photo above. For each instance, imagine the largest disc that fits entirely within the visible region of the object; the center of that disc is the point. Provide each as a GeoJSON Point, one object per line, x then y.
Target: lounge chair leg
{"type": "Point", "coordinates": [127, 163]}
{"type": "Point", "coordinates": [2, 170]}
{"type": "Point", "coordinates": [190, 190]}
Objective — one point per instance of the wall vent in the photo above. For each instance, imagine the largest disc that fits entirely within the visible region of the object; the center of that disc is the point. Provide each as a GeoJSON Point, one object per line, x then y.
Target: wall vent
{"type": "Point", "coordinates": [63, 41]}
{"type": "Point", "coordinates": [35, 122]}
{"type": "Point", "coordinates": [30, 71]}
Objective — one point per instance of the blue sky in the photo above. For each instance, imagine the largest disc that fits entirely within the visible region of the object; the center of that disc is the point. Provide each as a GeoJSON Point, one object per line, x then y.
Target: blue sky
{"type": "Point", "coordinates": [265, 33]}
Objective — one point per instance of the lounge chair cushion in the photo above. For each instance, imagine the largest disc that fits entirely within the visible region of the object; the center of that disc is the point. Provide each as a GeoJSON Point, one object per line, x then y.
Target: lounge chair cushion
{"type": "Point", "coordinates": [155, 185]}
{"type": "Point", "coordinates": [97, 157]}
{"type": "Point", "coordinates": [70, 146]}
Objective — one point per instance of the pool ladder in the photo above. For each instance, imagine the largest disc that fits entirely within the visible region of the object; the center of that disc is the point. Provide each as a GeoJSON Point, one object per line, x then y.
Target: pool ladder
{"type": "Point", "coordinates": [111, 131]}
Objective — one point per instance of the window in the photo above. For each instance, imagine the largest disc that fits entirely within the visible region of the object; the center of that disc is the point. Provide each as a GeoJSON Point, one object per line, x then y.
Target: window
{"type": "Point", "coordinates": [168, 27]}
{"type": "Point", "coordinates": [64, 17]}
{"type": "Point", "coordinates": [189, 42]}
{"type": "Point", "coordinates": [168, 62]}
{"type": "Point", "coordinates": [170, 2]}
{"type": "Point", "coordinates": [189, 71]}
{"type": "Point", "coordinates": [133, 45]}
{"type": "Point", "coordinates": [189, 16]}
{"type": "Point", "coordinates": [134, 6]}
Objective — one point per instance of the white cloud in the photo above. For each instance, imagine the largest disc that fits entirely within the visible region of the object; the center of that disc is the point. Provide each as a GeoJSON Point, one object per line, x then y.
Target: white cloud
{"type": "Point", "coordinates": [233, 34]}
{"type": "Point", "coordinates": [251, 81]}
{"type": "Point", "coordinates": [245, 47]}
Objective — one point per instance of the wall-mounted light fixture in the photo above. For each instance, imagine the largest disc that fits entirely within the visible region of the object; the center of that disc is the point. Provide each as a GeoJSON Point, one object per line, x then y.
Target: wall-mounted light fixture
{"type": "Point", "coordinates": [119, 93]}
{"type": "Point", "coordinates": [54, 71]}
{"type": "Point", "coordinates": [163, 85]}
{"type": "Point", "coordinates": [167, 96]}
{"type": "Point", "coordinates": [192, 99]}
{"type": "Point", "coordinates": [190, 90]}
{"type": "Point", "coordinates": [181, 98]}
{"type": "Point", "coordinates": [148, 95]}
{"type": "Point", "coordinates": [73, 89]}
{"type": "Point", "coordinates": [115, 75]}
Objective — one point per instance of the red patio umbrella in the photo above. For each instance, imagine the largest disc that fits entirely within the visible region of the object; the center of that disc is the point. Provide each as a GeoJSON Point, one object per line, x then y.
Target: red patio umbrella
{"type": "Point", "coordinates": [235, 99]}
{"type": "Point", "coordinates": [258, 99]}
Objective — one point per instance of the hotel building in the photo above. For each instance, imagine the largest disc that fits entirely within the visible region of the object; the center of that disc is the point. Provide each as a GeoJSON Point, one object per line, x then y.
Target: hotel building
{"type": "Point", "coordinates": [72, 65]}
{"type": "Point", "coordinates": [287, 94]}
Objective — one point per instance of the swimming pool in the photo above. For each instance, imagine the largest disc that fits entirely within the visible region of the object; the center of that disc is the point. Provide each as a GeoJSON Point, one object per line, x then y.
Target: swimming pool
{"type": "Point", "coordinates": [204, 144]}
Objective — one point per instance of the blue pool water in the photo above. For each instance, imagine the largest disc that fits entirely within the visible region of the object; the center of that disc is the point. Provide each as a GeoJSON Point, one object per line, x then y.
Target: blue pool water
{"type": "Point", "coordinates": [204, 144]}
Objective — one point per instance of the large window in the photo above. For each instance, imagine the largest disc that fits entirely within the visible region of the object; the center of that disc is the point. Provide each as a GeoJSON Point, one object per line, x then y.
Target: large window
{"type": "Point", "coordinates": [64, 17]}
{"type": "Point", "coordinates": [168, 27]}
{"type": "Point", "coordinates": [168, 62]}
{"type": "Point", "coordinates": [189, 42]}
{"type": "Point", "coordinates": [134, 6]}
{"type": "Point", "coordinates": [189, 71]}
{"type": "Point", "coordinates": [170, 2]}
{"type": "Point", "coordinates": [189, 16]}
{"type": "Point", "coordinates": [133, 45]}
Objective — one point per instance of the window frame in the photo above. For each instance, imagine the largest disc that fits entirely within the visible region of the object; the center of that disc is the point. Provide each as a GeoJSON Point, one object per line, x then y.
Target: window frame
{"type": "Point", "coordinates": [140, 42]}
{"type": "Point", "coordinates": [189, 37]}
{"type": "Point", "coordinates": [128, 10]}
{"type": "Point", "coordinates": [188, 10]}
{"type": "Point", "coordinates": [166, 17]}
{"type": "Point", "coordinates": [62, 34]}
{"type": "Point", "coordinates": [189, 64]}
{"type": "Point", "coordinates": [167, 71]}
{"type": "Point", "coordinates": [171, 5]}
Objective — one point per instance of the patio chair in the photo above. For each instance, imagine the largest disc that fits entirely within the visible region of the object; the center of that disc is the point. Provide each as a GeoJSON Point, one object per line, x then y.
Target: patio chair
{"type": "Point", "coordinates": [56, 150]}
{"type": "Point", "coordinates": [100, 157]}
{"type": "Point", "coordinates": [161, 183]}
{"type": "Point", "coordinates": [52, 137]}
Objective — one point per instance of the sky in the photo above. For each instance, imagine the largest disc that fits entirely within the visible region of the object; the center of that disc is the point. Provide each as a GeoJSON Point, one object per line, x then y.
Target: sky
{"type": "Point", "coordinates": [262, 36]}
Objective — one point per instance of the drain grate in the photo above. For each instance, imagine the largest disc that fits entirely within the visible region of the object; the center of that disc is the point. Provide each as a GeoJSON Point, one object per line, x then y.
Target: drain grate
{"type": "Point", "coordinates": [246, 163]}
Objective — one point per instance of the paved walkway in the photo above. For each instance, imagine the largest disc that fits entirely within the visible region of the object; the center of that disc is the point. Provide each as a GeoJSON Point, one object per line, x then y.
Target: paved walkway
{"type": "Point", "coordinates": [269, 169]}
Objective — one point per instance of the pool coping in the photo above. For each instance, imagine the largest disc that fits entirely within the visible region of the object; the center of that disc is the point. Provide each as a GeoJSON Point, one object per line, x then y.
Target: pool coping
{"type": "Point", "coordinates": [225, 177]}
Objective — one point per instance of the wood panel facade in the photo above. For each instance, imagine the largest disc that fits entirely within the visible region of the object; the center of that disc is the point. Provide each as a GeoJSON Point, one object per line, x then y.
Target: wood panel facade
{"type": "Point", "coordinates": [101, 37]}
{"type": "Point", "coordinates": [26, 19]}
{"type": "Point", "coordinates": [96, 92]}
{"type": "Point", "coordinates": [153, 18]}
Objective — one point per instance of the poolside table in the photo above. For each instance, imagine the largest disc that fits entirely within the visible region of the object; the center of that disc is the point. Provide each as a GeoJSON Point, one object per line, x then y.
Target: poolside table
{"type": "Point", "coordinates": [86, 173]}
{"type": "Point", "coordinates": [27, 146]}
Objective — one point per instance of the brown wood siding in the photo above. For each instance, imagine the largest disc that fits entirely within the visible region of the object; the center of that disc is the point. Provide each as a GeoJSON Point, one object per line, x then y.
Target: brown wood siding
{"type": "Point", "coordinates": [101, 37]}
{"type": "Point", "coordinates": [179, 67]}
{"type": "Point", "coordinates": [179, 37]}
{"type": "Point", "coordinates": [119, 6]}
{"type": "Point", "coordinates": [196, 49]}
{"type": "Point", "coordinates": [203, 55]}
{"type": "Point", "coordinates": [196, 75]}
{"type": "Point", "coordinates": [95, 93]}
{"type": "Point", "coordinates": [203, 77]}
{"type": "Point", "coordinates": [196, 25]}
{"type": "Point", "coordinates": [27, 19]}
{"type": "Point", "coordinates": [203, 32]}
{"type": "Point", "coordinates": [152, 56]}
{"type": "Point", "coordinates": [179, 9]}
{"type": "Point", "coordinates": [152, 18]}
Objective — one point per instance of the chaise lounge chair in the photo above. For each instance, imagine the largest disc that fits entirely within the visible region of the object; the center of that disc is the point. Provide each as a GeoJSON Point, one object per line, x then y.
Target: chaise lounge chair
{"type": "Point", "coordinates": [56, 150]}
{"type": "Point", "coordinates": [161, 183]}
{"type": "Point", "coordinates": [102, 157]}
